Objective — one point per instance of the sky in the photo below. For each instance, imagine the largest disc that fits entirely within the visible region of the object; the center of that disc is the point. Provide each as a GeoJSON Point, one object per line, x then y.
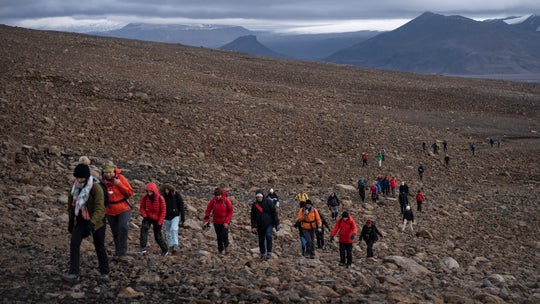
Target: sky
{"type": "Point", "coordinates": [286, 16]}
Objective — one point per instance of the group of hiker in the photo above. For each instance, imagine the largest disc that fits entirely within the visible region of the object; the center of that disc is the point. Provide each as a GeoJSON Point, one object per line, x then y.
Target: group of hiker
{"type": "Point", "coordinates": [97, 200]}
{"type": "Point", "coordinates": [94, 201]}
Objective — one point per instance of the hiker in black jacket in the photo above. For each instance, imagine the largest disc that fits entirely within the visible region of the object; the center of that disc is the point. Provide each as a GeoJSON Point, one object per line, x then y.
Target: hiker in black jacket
{"type": "Point", "coordinates": [175, 214]}
{"type": "Point", "coordinates": [370, 234]}
{"type": "Point", "coordinates": [263, 219]}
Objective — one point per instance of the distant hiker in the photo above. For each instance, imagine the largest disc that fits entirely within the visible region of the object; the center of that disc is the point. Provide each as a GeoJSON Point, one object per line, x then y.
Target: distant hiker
{"type": "Point", "coordinates": [446, 160]}
{"type": "Point", "coordinates": [153, 210]}
{"type": "Point", "coordinates": [119, 209]}
{"type": "Point", "coordinates": [319, 234]}
{"type": "Point", "coordinates": [174, 216]}
{"type": "Point", "coordinates": [347, 230]}
{"type": "Point", "coordinates": [370, 234]}
{"type": "Point", "coordinates": [393, 184]}
{"type": "Point", "coordinates": [362, 183]}
{"type": "Point", "coordinates": [272, 195]}
{"type": "Point", "coordinates": [333, 204]}
{"type": "Point", "coordinates": [404, 188]}
{"type": "Point", "coordinates": [420, 198]}
{"type": "Point", "coordinates": [491, 141]}
{"type": "Point", "coordinates": [424, 145]}
{"type": "Point", "coordinates": [420, 171]}
{"type": "Point", "coordinates": [383, 153]}
{"type": "Point", "coordinates": [374, 192]}
{"type": "Point", "coordinates": [385, 185]}
{"type": "Point", "coordinates": [364, 159]}
{"type": "Point", "coordinates": [435, 148]}
{"type": "Point", "coordinates": [379, 159]}
{"type": "Point", "coordinates": [264, 219]}
{"type": "Point", "coordinates": [221, 209]}
{"type": "Point", "coordinates": [403, 200]}
{"type": "Point", "coordinates": [473, 148]}
{"type": "Point", "coordinates": [445, 146]}
{"type": "Point", "coordinates": [310, 221]}
{"type": "Point", "coordinates": [408, 218]}
{"type": "Point", "coordinates": [86, 211]}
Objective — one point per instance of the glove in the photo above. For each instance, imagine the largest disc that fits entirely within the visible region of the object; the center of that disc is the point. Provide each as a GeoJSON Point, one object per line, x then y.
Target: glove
{"type": "Point", "coordinates": [331, 239]}
{"type": "Point", "coordinates": [89, 230]}
{"type": "Point", "coordinates": [352, 236]}
{"type": "Point", "coordinates": [90, 227]}
{"type": "Point", "coordinates": [71, 223]}
{"type": "Point", "coordinates": [278, 227]}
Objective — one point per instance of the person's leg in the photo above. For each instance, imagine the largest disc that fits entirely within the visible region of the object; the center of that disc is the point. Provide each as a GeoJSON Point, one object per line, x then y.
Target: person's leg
{"type": "Point", "coordinates": [158, 236]}
{"type": "Point", "coordinates": [370, 249]}
{"type": "Point", "coordinates": [173, 230]}
{"type": "Point", "coordinates": [308, 235]}
{"type": "Point", "coordinates": [145, 226]}
{"type": "Point", "coordinates": [101, 252]}
{"type": "Point", "coordinates": [341, 253]}
{"type": "Point", "coordinates": [404, 225]}
{"type": "Point", "coordinates": [168, 233]}
{"type": "Point", "coordinates": [348, 250]}
{"type": "Point", "coordinates": [113, 223]}
{"type": "Point", "coordinates": [261, 233]}
{"type": "Point", "coordinates": [268, 237]}
{"type": "Point", "coordinates": [75, 248]}
{"type": "Point", "coordinates": [219, 234]}
{"type": "Point", "coordinates": [123, 229]}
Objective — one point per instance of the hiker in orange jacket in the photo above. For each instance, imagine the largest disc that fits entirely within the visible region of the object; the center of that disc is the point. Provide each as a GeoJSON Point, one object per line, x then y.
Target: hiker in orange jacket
{"type": "Point", "coordinates": [347, 229]}
{"type": "Point", "coordinates": [310, 221]}
{"type": "Point", "coordinates": [119, 209]}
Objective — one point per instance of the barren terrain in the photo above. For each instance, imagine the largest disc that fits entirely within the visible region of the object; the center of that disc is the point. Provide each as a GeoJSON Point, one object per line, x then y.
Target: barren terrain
{"type": "Point", "coordinates": [200, 118]}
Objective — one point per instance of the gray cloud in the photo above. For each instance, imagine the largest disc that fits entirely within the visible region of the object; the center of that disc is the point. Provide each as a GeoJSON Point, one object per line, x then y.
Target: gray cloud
{"type": "Point", "coordinates": [17, 11]}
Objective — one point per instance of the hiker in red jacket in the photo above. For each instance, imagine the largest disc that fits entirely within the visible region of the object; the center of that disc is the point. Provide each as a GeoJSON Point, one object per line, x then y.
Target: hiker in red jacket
{"type": "Point", "coordinates": [222, 210]}
{"type": "Point", "coordinates": [420, 198]}
{"type": "Point", "coordinates": [347, 229]}
{"type": "Point", "coordinates": [153, 210]}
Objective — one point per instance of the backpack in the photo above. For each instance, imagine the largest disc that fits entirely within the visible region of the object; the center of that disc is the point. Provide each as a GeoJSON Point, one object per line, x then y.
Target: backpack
{"type": "Point", "coordinates": [105, 193]}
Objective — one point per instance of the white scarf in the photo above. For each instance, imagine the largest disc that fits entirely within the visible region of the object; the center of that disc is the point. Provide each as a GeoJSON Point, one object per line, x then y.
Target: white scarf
{"type": "Point", "coordinates": [80, 193]}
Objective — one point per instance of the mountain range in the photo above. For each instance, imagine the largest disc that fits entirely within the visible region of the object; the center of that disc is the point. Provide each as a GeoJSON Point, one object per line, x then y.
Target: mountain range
{"type": "Point", "coordinates": [429, 44]}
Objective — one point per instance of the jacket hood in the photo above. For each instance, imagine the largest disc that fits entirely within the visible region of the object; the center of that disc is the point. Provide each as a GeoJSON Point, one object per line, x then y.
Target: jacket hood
{"type": "Point", "coordinates": [152, 187]}
{"type": "Point", "coordinates": [169, 187]}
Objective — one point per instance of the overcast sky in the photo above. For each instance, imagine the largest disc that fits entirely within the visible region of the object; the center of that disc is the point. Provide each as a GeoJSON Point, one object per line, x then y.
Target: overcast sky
{"type": "Point", "coordinates": [277, 15]}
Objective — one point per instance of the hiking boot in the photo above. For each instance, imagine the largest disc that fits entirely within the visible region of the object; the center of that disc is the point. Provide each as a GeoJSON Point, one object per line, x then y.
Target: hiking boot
{"type": "Point", "coordinates": [71, 278]}
{"type": "Point", "coordinates": [142, 250]}
{"type": "Point", "coordinates": [226, 250]}
{"type": "Point", "coordinates": [268, 255]}
{"type": "Point", "coordinates": [312, 256]}
{"type": "Point", "coordinates": [341, 264]}
{"type": "Point", "coordinates": [104, 278]}
{"type": "Point", "coordinates": [164, 253]}
{"type": "Point", "coordinates": [174, 248]}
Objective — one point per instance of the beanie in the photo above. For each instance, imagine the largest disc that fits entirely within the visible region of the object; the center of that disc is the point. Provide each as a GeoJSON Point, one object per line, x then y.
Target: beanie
{"type": "Point", "coordinates": [368, 222]}
{"type": "Point", "coordinates": [82, 171]}
{"type": "Point", "coordinates": [259, 195]}
{"type": "Point", "coordinates": [345, 214]}
{"type": "Point", "coordinates": [108, 169]}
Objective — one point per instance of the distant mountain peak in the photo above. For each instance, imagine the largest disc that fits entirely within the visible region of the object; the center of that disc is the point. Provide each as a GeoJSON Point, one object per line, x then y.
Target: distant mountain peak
{"type": "Point", "coordinates": [249, 44]}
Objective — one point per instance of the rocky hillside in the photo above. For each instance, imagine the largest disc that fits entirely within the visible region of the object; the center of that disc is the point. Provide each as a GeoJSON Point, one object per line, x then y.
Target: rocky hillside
{"type": "Point", "coordinates": [200, 118]}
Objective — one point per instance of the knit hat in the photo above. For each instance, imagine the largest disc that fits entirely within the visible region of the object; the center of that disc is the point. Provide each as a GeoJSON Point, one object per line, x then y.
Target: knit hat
{"type": "Point", "coordinates": [309, 202]}
{"type": "Point", "coordinates": [81, 171]}
{"type": "Point", "coordinates": [408, 207]}
{"type": "Point", "coordinates": [368, 222]}
{"type": "Point", "coordinates": [259, 195]}
{"type": "Point", "coordinates": [108, 168]}
{"type": "Point", "coordinates": [345, 214]}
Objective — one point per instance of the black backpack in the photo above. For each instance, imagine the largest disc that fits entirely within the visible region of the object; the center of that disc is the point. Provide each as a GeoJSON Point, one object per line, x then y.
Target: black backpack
{"type": "Point", "coordinates": [105, 193]}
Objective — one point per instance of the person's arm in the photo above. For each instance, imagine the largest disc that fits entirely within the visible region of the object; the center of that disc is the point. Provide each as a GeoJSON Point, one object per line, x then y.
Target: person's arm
{"type": "Point", "coordinates": [162, 210]}
{"type": "Point", "coordinates": [181, 208]}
